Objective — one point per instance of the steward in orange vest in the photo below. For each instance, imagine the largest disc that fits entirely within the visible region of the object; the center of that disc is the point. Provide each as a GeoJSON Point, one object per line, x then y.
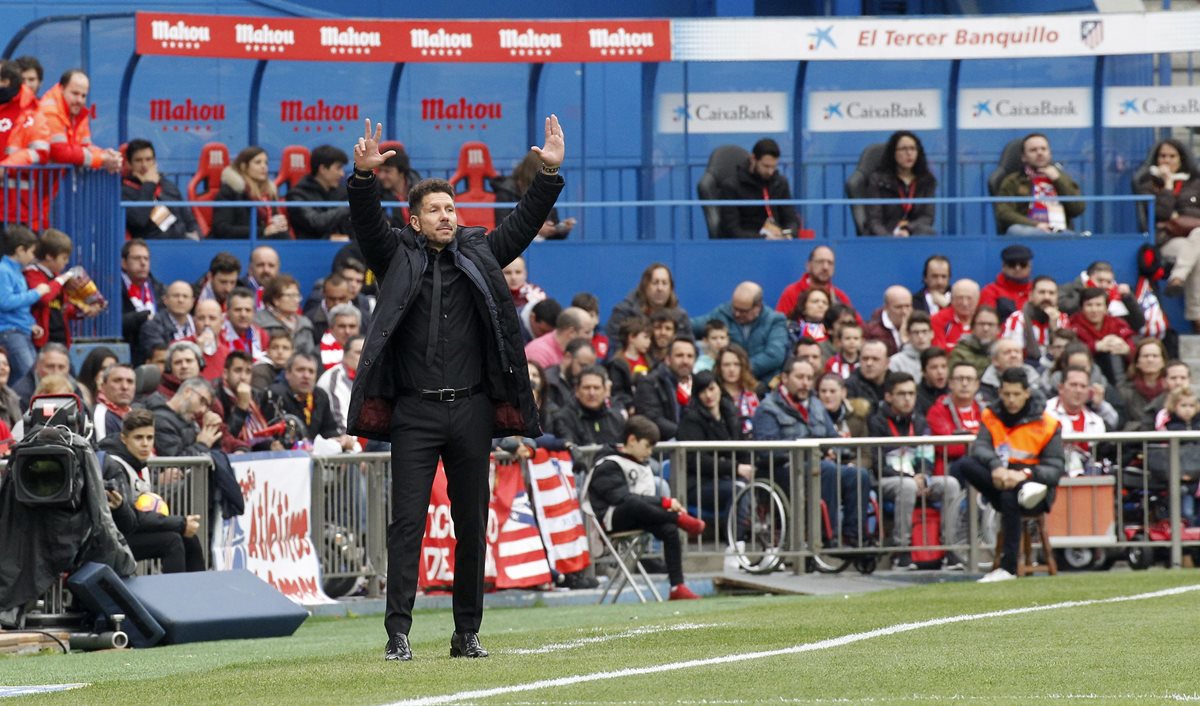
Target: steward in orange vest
{"type": "Point", "coordinates": [1015, 462]}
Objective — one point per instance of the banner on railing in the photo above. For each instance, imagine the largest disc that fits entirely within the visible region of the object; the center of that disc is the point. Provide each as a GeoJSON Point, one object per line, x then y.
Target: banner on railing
{"type": "Point", "coordinates": [395, 41]}
{"type": "Point", "coordinates": [559, 517]}
{"type": "Point", "coordinates": [272, 538]}
{"type": "Point", "coordinates": [516, 557]}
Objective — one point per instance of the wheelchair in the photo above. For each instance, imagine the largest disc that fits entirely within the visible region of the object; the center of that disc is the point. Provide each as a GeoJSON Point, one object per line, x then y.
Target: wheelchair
{"type": "Point", "coordinates": [758, 530]}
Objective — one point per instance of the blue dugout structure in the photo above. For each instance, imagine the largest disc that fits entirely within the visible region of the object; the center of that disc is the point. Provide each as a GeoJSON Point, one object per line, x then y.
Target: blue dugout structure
{"type": "Point", "coordinates": [618, 155]}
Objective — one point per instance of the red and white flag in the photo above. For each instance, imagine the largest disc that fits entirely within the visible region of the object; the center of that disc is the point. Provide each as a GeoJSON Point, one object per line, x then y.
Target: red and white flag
{"type": "Point", "coordinates": [558, 515]}
{"type": "Point", "coordinates": [516, 556]}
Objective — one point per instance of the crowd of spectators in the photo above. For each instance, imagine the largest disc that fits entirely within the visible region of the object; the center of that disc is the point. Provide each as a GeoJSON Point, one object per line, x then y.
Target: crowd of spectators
{"type": "Point", "coordinates": [244, 344]}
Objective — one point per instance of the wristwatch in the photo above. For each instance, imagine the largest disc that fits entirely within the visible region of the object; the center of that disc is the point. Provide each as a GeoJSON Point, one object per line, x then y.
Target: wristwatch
{"type": "Point", "coordinates": [548, 170]}
{"type": "Point", "coordinates": [361, 175]}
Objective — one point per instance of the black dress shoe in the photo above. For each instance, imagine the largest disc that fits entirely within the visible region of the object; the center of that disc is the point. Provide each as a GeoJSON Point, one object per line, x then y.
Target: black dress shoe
{"type": "Point", "coordinates": [466, 644]}
{"type": "Point", "coordinates": [398, 649]}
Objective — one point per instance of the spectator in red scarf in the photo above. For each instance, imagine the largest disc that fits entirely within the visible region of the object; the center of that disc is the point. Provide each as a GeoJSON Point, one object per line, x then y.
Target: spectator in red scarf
{"type": "Point", "coordinates": [247, 179]}
{"type": "Point", "coordinates": [516, 274]}
{"type": "Point", "coordinates": [1042, 179]}
{"type": "Point", "coordinates": [1121, 300]}
{"type": "Point", "coordinates": [1108, 338]}
{"type": "Point", "coordinates": [951, 322]}
{"type": "Point", "coordinates": [1144, 391]}
{"type": "Point", "coordinates": [1011, 288]}
{"type": "Point", "coordinates": [141, 293]}
{"type": "Point", "coordinates": [240, 331]}
{"type": "Point", "coordinates": [903, 173]}
{"type": "Point", "coordinates": [665, 392]}
{"type": "Point", "coordinates": [807, 318]}
{"type": "Point", "coordinates": [113, 400]}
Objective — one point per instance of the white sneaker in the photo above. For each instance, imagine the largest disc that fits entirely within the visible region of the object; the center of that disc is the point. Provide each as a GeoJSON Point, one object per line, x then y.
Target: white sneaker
{"type": "Point", "coordinates": [1031, 494]}
{"type": "Point", "coordinates": [996, 575]}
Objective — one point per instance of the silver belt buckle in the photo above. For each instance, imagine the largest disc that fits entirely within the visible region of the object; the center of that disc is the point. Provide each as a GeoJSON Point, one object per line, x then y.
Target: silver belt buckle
{"type": "Point", "coordinates": [446, 394]}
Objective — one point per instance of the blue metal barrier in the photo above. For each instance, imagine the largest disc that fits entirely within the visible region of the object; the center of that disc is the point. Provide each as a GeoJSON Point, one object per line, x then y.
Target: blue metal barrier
{"type": "Point", "coordinates": [85, 205]}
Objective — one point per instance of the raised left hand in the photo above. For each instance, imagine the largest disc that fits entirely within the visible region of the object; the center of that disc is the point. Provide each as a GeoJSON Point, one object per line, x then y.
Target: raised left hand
{"type": "Point", "coordinates": [554, 150]}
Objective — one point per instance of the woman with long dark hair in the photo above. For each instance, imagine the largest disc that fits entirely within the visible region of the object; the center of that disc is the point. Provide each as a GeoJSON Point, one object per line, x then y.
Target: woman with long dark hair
{"type": "Point", "coordinates": [655, 292]}
{"type": "Point", "coordinates": [903, 173]}
{"type": "Point", "coordinates": [248, 179]}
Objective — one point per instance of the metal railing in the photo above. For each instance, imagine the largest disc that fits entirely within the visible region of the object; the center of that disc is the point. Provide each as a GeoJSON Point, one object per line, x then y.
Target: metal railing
{"type": "Point", "coordinates": [84, 204]}
{"type": "Point", "coordinates": [683, 219]}
{"type": "Point", "coordinates": [1132, 460]}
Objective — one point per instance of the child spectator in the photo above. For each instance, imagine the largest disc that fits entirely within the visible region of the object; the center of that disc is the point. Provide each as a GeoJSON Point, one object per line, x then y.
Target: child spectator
{"type": "Point", "coordinates": [848, 340]}
{"type": "Point", "coordinates": [17, 326]}
{"type": "Point", "coordinates": [716, 338]}
{"type": "Point", "coordinates": [631, 360]}
{"type": "Point", "coordinates": [266, 372]}
{"type": "Point", "coordinates": [53, 311]}
{"type": "Point", "coordinates": [591, 304]}
{"type": "Point", "coordinates": [625, 495]}
{"type": "Point", "coordinates": [1183, 414]}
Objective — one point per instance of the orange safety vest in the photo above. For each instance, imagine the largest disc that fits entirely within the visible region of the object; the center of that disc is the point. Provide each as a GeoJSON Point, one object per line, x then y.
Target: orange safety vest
{"type": "Point", "coordinates": [1022, 445]}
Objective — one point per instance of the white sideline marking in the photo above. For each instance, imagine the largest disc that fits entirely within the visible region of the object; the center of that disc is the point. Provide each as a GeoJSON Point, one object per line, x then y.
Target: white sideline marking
{"type": "Point", "coordinates": [795, 649]}
{"type": "Point", "coordinates": [8, 691]}
{"type": "Point", "coordinates": [882, 699]}
{"type": "Point", "coordinates": [572, 644]}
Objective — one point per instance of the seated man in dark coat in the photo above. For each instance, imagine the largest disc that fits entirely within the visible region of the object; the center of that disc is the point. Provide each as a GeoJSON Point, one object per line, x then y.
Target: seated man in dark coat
{"type": "Point", "coordinates": [758, 179]}
{"type": "Point", "coordinates": [298, 394]}
{"type": "Point", "coordinates": [664, 393]}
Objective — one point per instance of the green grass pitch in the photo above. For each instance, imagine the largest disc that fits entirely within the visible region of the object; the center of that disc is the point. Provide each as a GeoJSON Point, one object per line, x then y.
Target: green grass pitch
{"type": "Point", "coordinates": [1138, 651]}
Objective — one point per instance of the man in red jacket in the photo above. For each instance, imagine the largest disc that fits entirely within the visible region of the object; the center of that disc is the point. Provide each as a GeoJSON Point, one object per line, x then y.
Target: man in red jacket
{"type": "Point", "coordinates": [818, 273]}
{"type": "Point", "coordinates": [953, 321]}
{"type": "Point", "coordinates": [1011, 289]}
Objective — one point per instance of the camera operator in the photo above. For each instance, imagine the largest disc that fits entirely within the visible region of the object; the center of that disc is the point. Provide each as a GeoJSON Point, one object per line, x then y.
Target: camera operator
{"type": "Point", "coordinates": [150, 535]}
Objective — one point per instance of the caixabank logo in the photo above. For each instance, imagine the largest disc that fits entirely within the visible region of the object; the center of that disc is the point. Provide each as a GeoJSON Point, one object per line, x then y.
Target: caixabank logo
{"type": "Point", "coordinates": [860, 111]}
{"type": "Point", "coordinates": [1003, 108]}
{"type": "Point", "coordinates": [1151, 106]}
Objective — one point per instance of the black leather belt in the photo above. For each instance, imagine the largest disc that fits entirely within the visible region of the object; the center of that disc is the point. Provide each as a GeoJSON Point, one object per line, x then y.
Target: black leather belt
{"type": "Point", "coordinates": [446, 394]}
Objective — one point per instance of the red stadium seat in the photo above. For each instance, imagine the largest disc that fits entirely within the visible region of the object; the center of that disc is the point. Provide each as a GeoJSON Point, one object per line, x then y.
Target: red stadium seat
{"type": "Point", "coordinates": [475, 167]}
{"type": "Point", "coordinates": [293, 165]}
{"type": "Point", "coordinates": [214, 157]}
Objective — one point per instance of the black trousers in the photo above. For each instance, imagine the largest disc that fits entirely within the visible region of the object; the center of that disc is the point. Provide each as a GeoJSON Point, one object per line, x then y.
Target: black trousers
{"type": "Point", "coordinates": [1005, 502]}
{"type": "Point", "coordinates": [460, 433]}
{"type": "Point", "coordinates": [636, 513]}
{"type": "Point", "coordinates": [177, 553]}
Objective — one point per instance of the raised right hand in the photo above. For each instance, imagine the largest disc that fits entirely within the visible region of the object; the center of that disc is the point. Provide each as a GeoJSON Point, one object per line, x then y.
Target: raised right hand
{"type": "Point", "coordinates": [366, 150]}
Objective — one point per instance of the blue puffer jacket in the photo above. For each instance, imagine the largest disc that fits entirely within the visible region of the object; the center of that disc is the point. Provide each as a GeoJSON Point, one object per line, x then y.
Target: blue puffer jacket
{"type": "Point", "coordinates": [766, 340]}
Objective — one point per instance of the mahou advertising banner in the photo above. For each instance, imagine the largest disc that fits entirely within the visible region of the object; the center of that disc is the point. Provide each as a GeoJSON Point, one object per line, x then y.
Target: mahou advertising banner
{"type": "Point", "coordinates": [272, 538]}
{"type": "Point", "coordinates": [357, 40]}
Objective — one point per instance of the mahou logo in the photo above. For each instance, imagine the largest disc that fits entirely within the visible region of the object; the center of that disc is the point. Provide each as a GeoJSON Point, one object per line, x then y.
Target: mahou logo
{"type": "Point", "coordinates": [164, 110]}
{"type": "Point", "coordinates": [618, 42]}
{"type": "Point", "coordinates": [263, 38]}
{"type": "Point", "coordinates": [180, 35]}
{"type": "Point", "coordinates": [317, 117]}
{"type": "Point", "coordinates": [461, 114]}
{"type": "Point", "coordinates": [439, 42]}
{"type": "Point", "coordinates": [529, 42]}
{"type": "Point", "coordinates": [349, 40]}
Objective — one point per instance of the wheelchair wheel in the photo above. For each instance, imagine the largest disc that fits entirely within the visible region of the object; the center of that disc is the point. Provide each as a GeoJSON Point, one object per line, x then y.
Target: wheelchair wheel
{"type": "Point", "coordinates": [757, 527]}
{"type": "Point", "coordinates": [1139, 558]}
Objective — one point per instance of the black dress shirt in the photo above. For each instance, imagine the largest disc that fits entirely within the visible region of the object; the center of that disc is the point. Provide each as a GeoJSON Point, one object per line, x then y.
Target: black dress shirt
{"type": "Point", "coordinates": [442, 340]}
